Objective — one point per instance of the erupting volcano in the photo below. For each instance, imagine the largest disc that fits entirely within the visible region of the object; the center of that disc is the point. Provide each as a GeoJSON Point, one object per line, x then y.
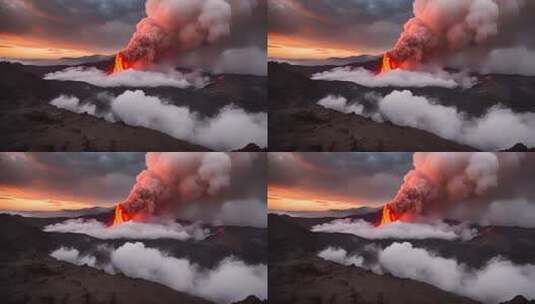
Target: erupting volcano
{"type": "Point", "coordinates": [388, 64]}
{"type": "Point", "coordinates": [121, 64]}
{"type": "Point", "coordinates": [389, 216]}
{"type": "Point", "coordinates": [120, 216]}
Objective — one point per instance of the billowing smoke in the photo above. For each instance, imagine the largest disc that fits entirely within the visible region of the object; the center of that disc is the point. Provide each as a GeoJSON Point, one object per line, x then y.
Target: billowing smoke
{"type": "Point", "coordinates": [398, 230]}
{"type": "Point", "coordinates": [230, 281]}
{"type": "Point", "coordinates": [439, 179]}
{"type": "Point", "coordinates": [441, 27]}
{"type": "Point", "coordinates": [405, 261]}
{"type": "Point", "coordinates": [174, 26]}
{"type": "Point", "coordinates": [130, 78]}
{"type": "Point", "coordinates": [178, 178]}
{"type": "Point", "coordinates": [213, 187]}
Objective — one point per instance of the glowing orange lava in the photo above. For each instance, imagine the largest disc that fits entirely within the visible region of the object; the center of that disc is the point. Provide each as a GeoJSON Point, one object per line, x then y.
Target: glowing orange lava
{"type": "Point", "coordinates": [389, 64]}
{"type": "Point", "coordinates": [121, 216]}
{"type": "Point", "coordinates": [121, 64]}
{"type": "Point", "coordinates": [389, 216]}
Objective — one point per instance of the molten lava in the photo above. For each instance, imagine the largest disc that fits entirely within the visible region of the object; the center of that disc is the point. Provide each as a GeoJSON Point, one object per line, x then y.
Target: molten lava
{"type": "Point", "coordinates": [121, 64]}
{"type": "Point", "coordinates": [389, 216]}
{"type": "Point", "coordinates": [121, 216]}
{"type": "Point", "coordinates": [389, 64]}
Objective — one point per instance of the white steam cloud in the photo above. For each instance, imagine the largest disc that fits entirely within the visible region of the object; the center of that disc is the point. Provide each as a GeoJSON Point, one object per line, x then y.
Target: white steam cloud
{"type": "Point", "coordinates": [232, 128]}
{"type": "Point", "coordinates": [130, 78]}
{"type": "Point", "coordinates": [516, 213]}
{"type": "Point", "coordinates": [130, 230]}
{"type": "Point", "coordinates": [500, 128]}
{"type": "Point", "coordinates": [340, 256]}
{"type": "Point", "coordinates": [73, 256]}
{"type": "Point", "coordinates": [517, 60]}
{"type": "Point", "coordinates": [398, 230]}
{"type": "Point", "coordinates": [397, 78]}
{"type": "Point", "coordinates": [499, 280]}
{"type": "Point", "coordinates": [230, 281]}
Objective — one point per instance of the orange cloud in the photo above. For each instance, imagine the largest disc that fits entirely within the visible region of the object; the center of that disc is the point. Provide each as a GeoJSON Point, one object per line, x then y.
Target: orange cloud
{"type": "Point", "coordinates": [19, 47]}
{"type": "Point", "coordinates": [17, 199]}
{"type": "Point", "coordinates": [290, 199]}
{"type": "Point", "coordinates": [288, 47]}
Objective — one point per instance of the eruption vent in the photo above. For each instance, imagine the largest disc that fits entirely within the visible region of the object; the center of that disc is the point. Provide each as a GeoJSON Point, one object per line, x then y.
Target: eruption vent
{"type": "Point", "coordinates": [440, 180]}
{"type": "Point", "coordinates": [121, 64]}
{"type": "Point", "coordinates": [440, 27]}
{"type": "Point", "coordinates": [121, 216]}
{"type": "Point", "coordinates": [388, 64]}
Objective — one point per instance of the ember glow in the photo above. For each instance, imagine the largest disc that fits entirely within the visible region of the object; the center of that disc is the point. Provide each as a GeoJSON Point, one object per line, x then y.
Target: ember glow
{"type": "Point", "coordinates": [388, 216]}
{"type": "Point", "coordinates": [120, 216]}
{"type": "Point", "coordinates": [388, 64]}
{"type": "Point", "coordinates": [120, 64]}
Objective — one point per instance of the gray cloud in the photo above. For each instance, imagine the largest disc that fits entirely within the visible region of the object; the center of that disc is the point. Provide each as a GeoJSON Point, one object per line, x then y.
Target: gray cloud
{"type": "Point", "coordinates": [372, 176]}
{"type": "Point", "coordinates": [107, 25]}
{"type": "Point", "coordinates": [373, 26]}
{"type": "Point", "coordinates": [104, 177]}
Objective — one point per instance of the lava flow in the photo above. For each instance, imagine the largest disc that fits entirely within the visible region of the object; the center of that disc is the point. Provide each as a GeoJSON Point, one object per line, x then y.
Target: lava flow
{"type": "Point", "coordinates": [121, 64]}
{"type": "Point", "coordinates": [388, 64]}
{"type": "Point", "coordinates": [389, 216]}
{"type": "Point", "coordinates": [121, 216]}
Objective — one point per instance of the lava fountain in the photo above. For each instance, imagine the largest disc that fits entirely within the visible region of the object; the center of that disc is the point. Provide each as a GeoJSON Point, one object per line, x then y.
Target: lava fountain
{"type": "Point", "coordinates": [388, 64]}
{"type": "Point", "coordinates": [121, 64]}
{"type": "Point", "coordinates": [388, 216]}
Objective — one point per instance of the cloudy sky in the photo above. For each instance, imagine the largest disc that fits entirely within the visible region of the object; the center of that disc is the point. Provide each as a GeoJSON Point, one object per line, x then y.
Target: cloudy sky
{"type": "Point", "coordinates": [324, 181]}
{"type": "Point", "coordinates": [303, 29]}
{"type": "Point", "coordinates": [57, 28]}
{"type": "Point", "coordinates": [54, 181]}
{"type": "Point", "coordinates": [330, 181]}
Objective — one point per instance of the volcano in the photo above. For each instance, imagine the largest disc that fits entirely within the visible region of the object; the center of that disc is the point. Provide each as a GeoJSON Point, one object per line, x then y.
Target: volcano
{"type": "Point", "coordinates": [298, 123]}
{"type": "Point", "coordinates": [297, 275]}
{"type": "Point", "coordinates": [40, 276]}
{"type": "Point", "coordinates": [40, 126]}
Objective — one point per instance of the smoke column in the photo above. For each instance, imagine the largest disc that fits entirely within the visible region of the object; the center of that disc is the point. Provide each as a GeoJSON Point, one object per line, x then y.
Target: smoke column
{"type": "Point", "coordinates": [440, 27]}
{"type": "Point", "coordinates": [174, 179]}
{"type": "Point", "coordinates": [173, 26]}
{"type": "Point", "coordinates": [441, 179]}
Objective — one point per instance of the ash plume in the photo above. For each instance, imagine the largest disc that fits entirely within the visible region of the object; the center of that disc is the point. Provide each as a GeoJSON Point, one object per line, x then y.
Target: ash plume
{"type": "Point", "coordinates": [199, 185]}
{"type": "Point", "coordinates": [442, 27]}
{"type": "Point", "coordinates": [439, 180]}
{"type": "Point", "coordinates": [174, 26]}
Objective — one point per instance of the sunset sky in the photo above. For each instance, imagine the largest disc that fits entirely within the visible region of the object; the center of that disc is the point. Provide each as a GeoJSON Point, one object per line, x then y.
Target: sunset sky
{"type": "Point", "coordinates": [302, 29]}
{"type": "Point", "coordinates": [56, 181]}
{"type": "Point", "coordinates": [53, 29]}
{"type": "Point", "coordinates": [333, 181]}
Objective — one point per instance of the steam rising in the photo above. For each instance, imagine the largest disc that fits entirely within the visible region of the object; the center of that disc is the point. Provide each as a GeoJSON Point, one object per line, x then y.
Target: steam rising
{"type": "Point", "coordinates": [440, 27]}
{"type": "Point", "coordinates": [130, 78]}
{"type": "Point", "coordinates": [130, 230]}
{"type": "Point", "coordinates": [397, 230]}
{"type": "Point", "coordinates": [232, 128]}
{"type": "Point", "coordinates": [230, 281]}
{"type": "Point", "coordinates": [499, 280]}
{"type": "Point", "coordinates": [397, 78]}
{"type": "Point", "coordinates": [500, 128]}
